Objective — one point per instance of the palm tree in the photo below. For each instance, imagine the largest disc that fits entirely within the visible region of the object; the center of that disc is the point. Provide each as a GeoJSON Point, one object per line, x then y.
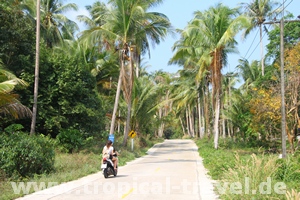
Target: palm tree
{"type": "Point", "coordinates": [184, 97]}
{"type": "Point", "coordinates": [191, 55]}
{"type": "Point", "coordinates": [9, 103]}
{"type": "Point", "coordinates": [249, 72]}
{"type": "Point", "coordinates": [229, 81]}
{"type": "Point", "coordinates": [37, 67]}
{"type": "Point", "coordinates": [163, 107]}
{"type": "Point", "coordinates": [259, 11]}
{"type": "Point", "coordinates": [214, 30]}
{"type": "Point", "coordinates": [131, 27]}
{"type": "Point", "coordinates": [54, 25]}
{"type": "Point", "coordinates": [144, 97]}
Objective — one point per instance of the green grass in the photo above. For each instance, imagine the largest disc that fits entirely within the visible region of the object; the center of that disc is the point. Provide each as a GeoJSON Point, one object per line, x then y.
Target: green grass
{"type": "Point", "coordinates": [70, 167]}
{"type": "Point", "coordinates": [247, 167]}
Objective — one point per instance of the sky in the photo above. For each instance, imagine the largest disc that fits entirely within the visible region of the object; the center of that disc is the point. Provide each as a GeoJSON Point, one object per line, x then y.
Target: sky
{"type": "Point", "coordinates": [180, 12]}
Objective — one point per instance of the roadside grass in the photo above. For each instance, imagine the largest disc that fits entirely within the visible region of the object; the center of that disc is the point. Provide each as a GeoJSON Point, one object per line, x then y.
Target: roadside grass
{"type": "Point", "coordinates": [73, 166]}
{"type": "Point", "coordinates": [245, 172]}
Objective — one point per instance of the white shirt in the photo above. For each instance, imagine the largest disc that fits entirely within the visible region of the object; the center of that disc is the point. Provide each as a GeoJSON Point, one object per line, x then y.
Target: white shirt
{"type": "Point", "coordinates": [108, 150]}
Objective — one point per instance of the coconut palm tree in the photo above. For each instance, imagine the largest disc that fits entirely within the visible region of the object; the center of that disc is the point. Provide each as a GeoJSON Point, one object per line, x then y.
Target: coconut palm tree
{"type": "Point", "coordinates": [130, 27]}
{"type": "Point", "coordinates": [55, 26]}
{"type": "Point", "coordinates": [249, 71]}
{"type": "Point", "coordinates": [184, 97]}
{"type": "Point", "coordinates": [37, 68]}
{"type": "Point", "coordinates": [214, 31]}
{"type": "Point", "coordinates": [259, 11]}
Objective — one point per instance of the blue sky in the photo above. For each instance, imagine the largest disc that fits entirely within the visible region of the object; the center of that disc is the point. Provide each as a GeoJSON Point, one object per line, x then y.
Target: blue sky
{"type": "Point", "coordinates": [180, 12]}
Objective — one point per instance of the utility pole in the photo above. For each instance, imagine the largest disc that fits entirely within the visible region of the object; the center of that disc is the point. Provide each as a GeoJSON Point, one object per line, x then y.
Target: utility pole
{"type": "Point", "coordinates": [283, 117]}
{"type": "Point", "coordinates": [282, 85]}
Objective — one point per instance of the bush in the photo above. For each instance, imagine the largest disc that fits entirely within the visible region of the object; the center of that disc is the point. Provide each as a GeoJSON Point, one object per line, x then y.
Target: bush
{"type": "Point", "coordinates": [24, 155]}
{"type": "Point", "coordinates": [70, 139]}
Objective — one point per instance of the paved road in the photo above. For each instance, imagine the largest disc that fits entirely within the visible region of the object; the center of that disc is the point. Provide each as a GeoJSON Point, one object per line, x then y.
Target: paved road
{"type": "Point", "coordinates": [171, 170]}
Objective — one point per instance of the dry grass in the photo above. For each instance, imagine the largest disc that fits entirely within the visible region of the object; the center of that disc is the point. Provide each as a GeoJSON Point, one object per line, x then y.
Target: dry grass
{"type": "Point", "coordinates": [248, 180]}
{"type": "Point", "coordinates": [293, 195]}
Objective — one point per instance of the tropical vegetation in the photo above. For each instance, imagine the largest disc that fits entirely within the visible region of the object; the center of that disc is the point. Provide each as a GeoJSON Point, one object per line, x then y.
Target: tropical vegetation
{"type": "Point", "coordinates": [93, 83]}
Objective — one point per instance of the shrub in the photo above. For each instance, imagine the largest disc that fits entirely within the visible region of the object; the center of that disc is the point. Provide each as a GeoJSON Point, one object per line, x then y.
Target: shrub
{"type": "Point", "coordinates": [70, 139]}
{"type": "Point", "coordinates": [24, 155]}
{"type": "Point", "coordinates": [13, 128]}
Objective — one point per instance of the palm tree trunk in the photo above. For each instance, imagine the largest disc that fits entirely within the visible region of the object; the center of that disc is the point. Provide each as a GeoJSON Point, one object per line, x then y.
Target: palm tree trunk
{"type": "Point", "coordinates": [224, 128]}
{"type": "Point", "coordinates": [161, 125]}
{"type": "Point", "coordinates": [187, 122]}
{"type": "Point", "coordinates": [131, 81]}
{"type": "Point", "coordinates": [182, 126]}
{"type": "Point", "coordinates": [113, 120]}
{"type": "Point", "coordinates": [262, 51]}
{"type": "Point", "coordinates": [200, 117]}
{"type": "Point", "coordinates": [119, 123]}
{"type": "Point", "coordinates": [191, 121]}
{"type": "Point", "coordinates": [127, 126]}
{"type": "Point", "coordinates": [206, 111]}
{"type": "Point", "coordinates": [216, 121]}
{"type": "Point", "coordinates": [37, 69]}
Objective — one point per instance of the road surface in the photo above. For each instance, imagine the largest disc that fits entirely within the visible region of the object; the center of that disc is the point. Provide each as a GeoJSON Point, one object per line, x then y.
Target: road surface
{"type": "Point", "coordinates": [171, 170]}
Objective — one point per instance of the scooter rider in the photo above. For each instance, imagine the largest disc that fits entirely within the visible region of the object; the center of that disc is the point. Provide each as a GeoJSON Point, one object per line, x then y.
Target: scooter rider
{"type": "Point", "coordinates": [108, 152]}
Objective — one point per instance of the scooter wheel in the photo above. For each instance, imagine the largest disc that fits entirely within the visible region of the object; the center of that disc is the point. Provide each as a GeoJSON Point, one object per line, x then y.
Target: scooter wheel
{"type": "Point", "coordinates": [105, 173]}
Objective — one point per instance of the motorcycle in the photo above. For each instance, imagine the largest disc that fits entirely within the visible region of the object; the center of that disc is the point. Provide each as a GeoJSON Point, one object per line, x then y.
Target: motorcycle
{"type": "Point", "coordinates": [107, 167]}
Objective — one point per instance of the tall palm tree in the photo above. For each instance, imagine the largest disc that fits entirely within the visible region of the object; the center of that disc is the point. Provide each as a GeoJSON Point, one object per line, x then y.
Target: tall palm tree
{"type": "Point", "coordinates": [132, 27]}
{"type": "Point", "coordinates": [37, 68]}
{"type": "Point", "coordinates": [259, 11]}
{"type": "Point", "coordinates": [215, 30]}
{"type": "Point", "coordinates": [55, 26]}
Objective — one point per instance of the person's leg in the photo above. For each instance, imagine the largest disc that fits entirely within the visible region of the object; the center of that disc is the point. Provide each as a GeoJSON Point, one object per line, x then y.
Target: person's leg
{"type": "Point", "coordinates": [115, 161]}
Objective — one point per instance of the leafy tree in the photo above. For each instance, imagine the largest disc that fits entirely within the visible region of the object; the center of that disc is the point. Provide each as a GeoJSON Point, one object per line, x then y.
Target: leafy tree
{"type": "Point", "coordinates": [291, 38]}
{"type": "Point", "coordinates": [292, 66]}
{"type": "Point", "coordinates": [67, 95]}
{"type": "Point", "coordinates": [17, 39]}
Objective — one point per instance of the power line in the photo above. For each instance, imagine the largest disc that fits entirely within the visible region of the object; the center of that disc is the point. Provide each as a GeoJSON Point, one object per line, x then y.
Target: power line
{"type": "Point", "coordinates": [269, 27]}
{"type": "Point", "coordinates": [251, 43]}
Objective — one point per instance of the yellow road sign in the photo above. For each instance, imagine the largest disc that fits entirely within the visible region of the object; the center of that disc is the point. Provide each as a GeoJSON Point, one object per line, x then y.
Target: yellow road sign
{"type": "Point", "coordinates": [132, 134]}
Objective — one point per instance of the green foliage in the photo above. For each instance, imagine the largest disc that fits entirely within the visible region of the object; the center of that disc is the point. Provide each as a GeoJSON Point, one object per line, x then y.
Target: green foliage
{"type": "Point", "coordinates": [291, 38]}
{"type": "Point", "coordinates": [234, 161]}
{"type": "Point", "coordinates": [214, 160]}
{"type": "Point", "coordinates": [23, 155]}
{"type": "Point", "coordinates": [67, 96]}
{"type": "Point", "coordinates": [17, 39]}
{"type": "Point", "coordinates": [288, 170]}
{"type": "Point", "coordinates": [13, 128]}
{"type": "Point", "coordinates": [70, 139]}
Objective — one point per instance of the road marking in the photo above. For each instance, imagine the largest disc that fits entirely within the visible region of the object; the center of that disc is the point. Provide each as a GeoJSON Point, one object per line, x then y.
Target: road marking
{"type": "Point", "coordinates": [157, 169]}
{"type": "Point", "coordinates": [125, 195]}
